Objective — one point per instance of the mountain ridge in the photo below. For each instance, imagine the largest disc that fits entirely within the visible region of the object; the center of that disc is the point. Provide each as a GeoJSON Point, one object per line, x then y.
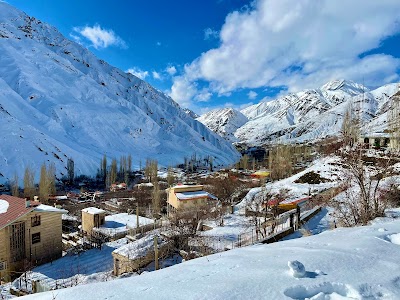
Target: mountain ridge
{"type": "Point", "coordinates": [309, 114]}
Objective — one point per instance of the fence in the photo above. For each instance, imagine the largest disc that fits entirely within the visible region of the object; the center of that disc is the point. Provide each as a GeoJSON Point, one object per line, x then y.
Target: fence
{"type": "Point", "coordinates": [269, 231]}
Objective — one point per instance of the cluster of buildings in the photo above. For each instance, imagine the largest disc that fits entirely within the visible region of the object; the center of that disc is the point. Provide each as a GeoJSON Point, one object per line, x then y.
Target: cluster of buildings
{"type": "Point", "coordinates": [31, 233]}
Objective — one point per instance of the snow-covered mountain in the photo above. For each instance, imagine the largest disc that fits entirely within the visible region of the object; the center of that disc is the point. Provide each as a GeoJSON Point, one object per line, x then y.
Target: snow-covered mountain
{"type": "Point", "coordinates": [224, 121]}
{"type": "Point", "coordinates": [59, 101]}
{"type": "Point", "coordinates": [191, 113]}
{"type": "Point", "coordinates": [310, 114]}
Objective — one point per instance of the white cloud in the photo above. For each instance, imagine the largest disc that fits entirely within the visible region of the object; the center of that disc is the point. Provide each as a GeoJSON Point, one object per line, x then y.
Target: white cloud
{"type": "Point", "coordinates": [252, 95]}
{"type": "Point", "coordinates": [99, 37]}
{"type": "Point", "coordinates": [210, 34]}
{"type": "Point", "coordinates": [138, 73]}
{"type": "Point", "coordinates": [182, 91]}
{"type": "Point", "coordinates": [171, 70]}
{"type": "Point", "coordinates": [156, 75]}
{"type": "Point", "coordinates": [300, 44]}
{"type": "Point", "coordinates": [203, 96]}
{"type": "Point", "coordinates": [158, 44]}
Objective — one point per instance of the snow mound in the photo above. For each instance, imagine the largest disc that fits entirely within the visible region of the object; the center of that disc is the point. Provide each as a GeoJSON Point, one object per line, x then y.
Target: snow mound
{"type": "Point", "coordinates": [323, 291]}
{"type": "Point", "coordinates": [296, 268]}
{"type": "Point", "coordinates": [395, 238]}
{"type": "Point", "coordinates": [3, 206]}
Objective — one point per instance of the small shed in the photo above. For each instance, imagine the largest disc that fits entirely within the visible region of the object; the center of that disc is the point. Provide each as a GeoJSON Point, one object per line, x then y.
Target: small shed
{"type": "Point", "coordinates": [92, 217]}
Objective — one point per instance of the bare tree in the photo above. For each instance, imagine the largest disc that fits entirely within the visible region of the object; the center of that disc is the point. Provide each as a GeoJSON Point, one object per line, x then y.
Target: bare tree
{"type": "Point", "coordinates": [15, 186]}
{"type": "Point", "coordinates": [281, 161]}
{"type": "Point", "coordinates": [244, 162]}
{"type": "Point", "coordinates": [156, 198]}
{"type": "Point", "coordinates": [43, 185]}
{"type": "Point", "coordinates": [170, 177]}
{"type": "Point", "coordinates": [151, 169]}
{"type": "Point", "coordinates": [350, 127]}
{"type": "Point", "coordinates": [71, 170]}
{"type": "Point", "coordinates": [113, 171]}
{"type": "Point", "coordinates": [394, 120]}
{"type": "Point", "coordinates": [29, 184]}
{"type": "Point", "coordinates": [363, 198]}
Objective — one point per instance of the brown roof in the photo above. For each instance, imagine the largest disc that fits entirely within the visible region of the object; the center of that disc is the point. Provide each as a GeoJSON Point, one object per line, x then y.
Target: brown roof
{"type": "Point", "coordinates": [16, 209]}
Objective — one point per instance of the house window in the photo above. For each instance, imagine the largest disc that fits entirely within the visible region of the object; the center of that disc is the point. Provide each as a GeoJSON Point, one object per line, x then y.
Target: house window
{"type": "Point", "coordinates": [36, 238]}
{"type": "Point", "coordinates": [35, 220]}
{"type": "Point", "coordinates": [3, 265]}
{"type": "Point", "coordinates": [17, 241]}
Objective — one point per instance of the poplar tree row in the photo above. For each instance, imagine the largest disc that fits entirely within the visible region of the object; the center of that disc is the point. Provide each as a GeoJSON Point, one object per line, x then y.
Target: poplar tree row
{"type": "Point", "coordinates": [111, 174]}
{"type": "Point", "coordinates": [47, 183]}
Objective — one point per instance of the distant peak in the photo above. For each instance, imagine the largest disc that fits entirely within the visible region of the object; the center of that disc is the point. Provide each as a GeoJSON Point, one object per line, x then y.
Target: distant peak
{"type": "Point", "coordinates": [344, 85]}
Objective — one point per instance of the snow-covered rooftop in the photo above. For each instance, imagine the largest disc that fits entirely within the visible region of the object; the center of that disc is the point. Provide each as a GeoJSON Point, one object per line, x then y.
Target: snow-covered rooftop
{"type": "Point", "coordinates": [93, 210]}
{"type": "Point", "coordinates": [194, 195]}
{"type": "Point", "coordinates": [140, 247]}
{"type": "Point", "coordinates": [48, 208]}
{"type": "Point", "coordinates": [185, 186]}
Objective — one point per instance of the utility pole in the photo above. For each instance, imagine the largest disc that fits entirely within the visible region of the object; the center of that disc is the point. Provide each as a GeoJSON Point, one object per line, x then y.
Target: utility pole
{"type": "Point", "coordinates": [137, 215]}
{"type": "Point", "coordinates": [155, 254]}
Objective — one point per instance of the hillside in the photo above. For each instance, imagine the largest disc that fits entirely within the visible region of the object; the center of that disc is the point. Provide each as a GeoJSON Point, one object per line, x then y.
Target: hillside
{"type": "Point", "coordinates": [59, 101]}
{"type": "Point", "coordinates": [224, 121]}
{"type": "Point", "coordinates": [310, 114]}
{"type": "Point", "coordinates": [345, 263]}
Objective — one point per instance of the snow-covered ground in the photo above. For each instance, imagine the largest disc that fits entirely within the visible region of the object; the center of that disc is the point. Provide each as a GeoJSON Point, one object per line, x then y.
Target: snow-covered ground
{"type": "Point", "coordinates": [90, 266]}
{"type": "Point", "coordinates": [326, 167]}
{"type": "Point", "coordinates": [120, 223]}
{"type": "Point", "coordinates": [345, 263]}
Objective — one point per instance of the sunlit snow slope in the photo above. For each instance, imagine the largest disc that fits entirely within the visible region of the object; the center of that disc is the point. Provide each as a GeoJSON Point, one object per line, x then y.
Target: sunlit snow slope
{"type": "Point", "coordinates": [58, 101]}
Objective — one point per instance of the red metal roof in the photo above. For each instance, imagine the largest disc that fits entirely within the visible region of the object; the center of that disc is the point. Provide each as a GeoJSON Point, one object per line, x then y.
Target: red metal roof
{"type": "Point", "coordinates": [16, 209]}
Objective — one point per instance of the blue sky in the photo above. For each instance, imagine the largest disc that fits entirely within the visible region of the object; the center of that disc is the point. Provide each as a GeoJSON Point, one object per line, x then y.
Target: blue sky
{"type": "Point", "coordinates": [216, 53]}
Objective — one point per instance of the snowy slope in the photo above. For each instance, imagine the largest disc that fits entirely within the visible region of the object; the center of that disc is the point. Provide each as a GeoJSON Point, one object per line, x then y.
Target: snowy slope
{"type": "Point", "coordinates": [58, 101]}
{"type": "Point", "coordinates": [224, 121]}
{"type": "Point", "coordinates": [345, 263]}
{"type": "Point", "coordinates": [309, 114]}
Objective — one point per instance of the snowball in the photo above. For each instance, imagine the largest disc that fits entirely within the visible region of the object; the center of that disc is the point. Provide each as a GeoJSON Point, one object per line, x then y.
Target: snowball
{"type": "Point", "coordinates": [297, 268]}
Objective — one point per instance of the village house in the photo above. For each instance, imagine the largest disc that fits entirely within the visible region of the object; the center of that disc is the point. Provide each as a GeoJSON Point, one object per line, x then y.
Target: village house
{"type": "Point", "coordinates": [189, 197]}
{"type": "Point", "coordinates": [30, 234]}
{"type": "Point", "coordinates": [378, 140]}
{"type": "Point", "coordinates": [138, 254]}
